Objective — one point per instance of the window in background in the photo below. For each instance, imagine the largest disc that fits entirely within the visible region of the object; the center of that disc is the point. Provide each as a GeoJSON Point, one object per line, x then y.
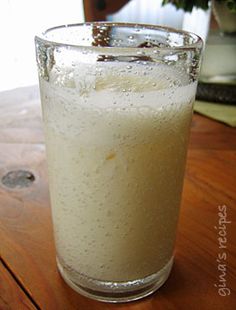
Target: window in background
{"type": "Point", "coordinates": [152, 12]}
{"type": "Point", "coordinates": [149, 12]}
{"type": "Point", "coordinates": [20, 20]}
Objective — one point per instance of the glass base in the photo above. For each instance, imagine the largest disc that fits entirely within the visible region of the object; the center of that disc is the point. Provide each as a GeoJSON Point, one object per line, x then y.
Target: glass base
{"type": "Point", "coordinates": [114, 292]}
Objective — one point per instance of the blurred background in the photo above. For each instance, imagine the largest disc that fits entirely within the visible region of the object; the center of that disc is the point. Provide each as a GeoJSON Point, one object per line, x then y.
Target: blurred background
{"type": "Point", "coordinates": [21, 20]}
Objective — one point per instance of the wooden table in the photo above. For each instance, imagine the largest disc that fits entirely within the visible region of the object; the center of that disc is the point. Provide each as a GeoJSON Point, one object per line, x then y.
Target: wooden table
{"type": "Point", "coordinates": [28, 275]}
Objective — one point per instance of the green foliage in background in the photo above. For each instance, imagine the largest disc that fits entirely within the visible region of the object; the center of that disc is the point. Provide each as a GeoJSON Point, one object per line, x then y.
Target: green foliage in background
{"type": "Point", "coordinates": [188, 5]}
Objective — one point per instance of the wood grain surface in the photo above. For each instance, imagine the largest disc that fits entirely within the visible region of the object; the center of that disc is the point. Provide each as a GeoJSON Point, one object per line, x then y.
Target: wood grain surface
{"type": "Point", "coordinates": [12, 296]}
{"type": "Point", "coordinates": [26, 237]}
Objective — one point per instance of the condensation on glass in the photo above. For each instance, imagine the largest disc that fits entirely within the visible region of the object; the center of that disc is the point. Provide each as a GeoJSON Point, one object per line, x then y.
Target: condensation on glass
{"type": "Point", "coordinates": [117, 103]}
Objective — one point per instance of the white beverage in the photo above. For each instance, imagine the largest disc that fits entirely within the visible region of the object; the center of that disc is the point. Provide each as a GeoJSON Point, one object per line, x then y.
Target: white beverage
{"type": "Point", "coordinates": [116, 155]}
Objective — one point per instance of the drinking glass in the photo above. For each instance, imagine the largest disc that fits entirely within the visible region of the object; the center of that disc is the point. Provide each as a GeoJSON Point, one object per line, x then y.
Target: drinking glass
{"type": "Point", "coordinates": [117, 103]}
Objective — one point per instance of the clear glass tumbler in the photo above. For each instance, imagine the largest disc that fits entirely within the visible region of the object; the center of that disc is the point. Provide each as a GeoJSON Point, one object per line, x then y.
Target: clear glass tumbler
{"type": "Point", "coordinates": [117, 104]}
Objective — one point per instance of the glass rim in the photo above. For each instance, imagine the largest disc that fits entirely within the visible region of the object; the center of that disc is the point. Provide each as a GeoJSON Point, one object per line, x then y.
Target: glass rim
{"type": "Point", "coordinates": [197, 44]}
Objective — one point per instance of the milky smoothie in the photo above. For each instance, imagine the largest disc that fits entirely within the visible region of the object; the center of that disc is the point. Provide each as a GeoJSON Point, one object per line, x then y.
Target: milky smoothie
{"type": "Point", "coordinates": [116, 150]}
